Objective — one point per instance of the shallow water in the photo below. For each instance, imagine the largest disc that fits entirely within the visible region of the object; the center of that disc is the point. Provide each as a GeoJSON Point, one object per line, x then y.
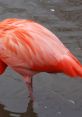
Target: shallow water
{"type": "Point", "coordinates": [55, 95]}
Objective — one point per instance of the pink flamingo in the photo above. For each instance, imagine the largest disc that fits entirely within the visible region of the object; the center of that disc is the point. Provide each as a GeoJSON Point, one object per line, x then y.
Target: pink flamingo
{"type": "Point", "coordinates": [29, 48]}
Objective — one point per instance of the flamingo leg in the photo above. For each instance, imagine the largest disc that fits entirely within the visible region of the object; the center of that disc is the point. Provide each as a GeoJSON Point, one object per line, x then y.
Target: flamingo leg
{"type": "Point", "coordinates": [30, 88]}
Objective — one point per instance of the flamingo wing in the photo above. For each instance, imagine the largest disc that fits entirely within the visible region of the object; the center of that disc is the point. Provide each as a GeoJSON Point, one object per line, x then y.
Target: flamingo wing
{"type": "Point", "coordinates": [33, 44]}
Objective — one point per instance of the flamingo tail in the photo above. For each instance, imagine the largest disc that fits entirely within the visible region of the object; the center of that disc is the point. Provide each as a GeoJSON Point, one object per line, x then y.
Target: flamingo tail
{"type": "Point", "coordinates": [71, 66]}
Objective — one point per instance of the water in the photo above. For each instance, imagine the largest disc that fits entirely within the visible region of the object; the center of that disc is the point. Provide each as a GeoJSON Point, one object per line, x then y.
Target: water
{"type": "Point", "coordinates": [55, 95]}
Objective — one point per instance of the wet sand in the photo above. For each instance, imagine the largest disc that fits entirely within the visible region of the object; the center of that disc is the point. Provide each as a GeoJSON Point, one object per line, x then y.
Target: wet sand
{"type": "Point", "coordinates": [56, 95]}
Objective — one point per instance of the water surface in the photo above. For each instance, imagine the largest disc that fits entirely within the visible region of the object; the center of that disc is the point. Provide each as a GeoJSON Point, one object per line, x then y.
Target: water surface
{"type": "Point", "coordinates": [55, 95]}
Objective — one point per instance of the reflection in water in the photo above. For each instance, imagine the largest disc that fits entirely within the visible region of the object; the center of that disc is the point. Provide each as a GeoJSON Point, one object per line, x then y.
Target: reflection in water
{"type": "Point", "coordinates": [3, 113]}
{"type": "Point", "coordinates": [29, 113]}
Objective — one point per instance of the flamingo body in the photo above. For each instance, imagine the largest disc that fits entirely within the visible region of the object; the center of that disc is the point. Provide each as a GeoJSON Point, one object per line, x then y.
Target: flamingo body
{"type": "Point", "coordinates": [29, 48]}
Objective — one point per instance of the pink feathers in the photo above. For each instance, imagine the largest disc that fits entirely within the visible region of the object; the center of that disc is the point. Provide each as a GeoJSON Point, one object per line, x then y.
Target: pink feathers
{"type": "Point", "coordinates": [33, 47]}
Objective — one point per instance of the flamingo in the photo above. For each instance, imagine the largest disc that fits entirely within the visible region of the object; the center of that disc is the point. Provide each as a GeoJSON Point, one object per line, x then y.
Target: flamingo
{"type": "Point", "coordinates": [29, 48]}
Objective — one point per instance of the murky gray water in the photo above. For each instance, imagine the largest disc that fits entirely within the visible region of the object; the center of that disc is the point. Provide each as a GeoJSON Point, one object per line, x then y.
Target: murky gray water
{"type": "Point", "coordinates": [55, 95]}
